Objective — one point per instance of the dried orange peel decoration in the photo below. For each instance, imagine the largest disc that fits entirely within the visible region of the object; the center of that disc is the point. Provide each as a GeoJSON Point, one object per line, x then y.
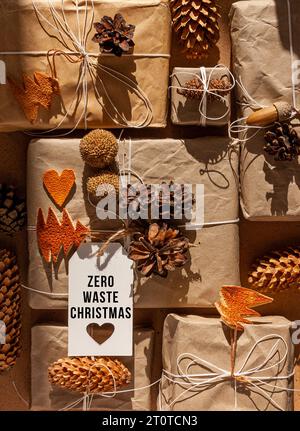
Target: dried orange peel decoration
{"type": "Point", "coordinates": [236, 304]}
{"type": "Point", "coordinates": [59, 186]}
{"type": "Point", "coordinates": [55, 236]}
{"type": "Point", "coordinates": [34, 93]}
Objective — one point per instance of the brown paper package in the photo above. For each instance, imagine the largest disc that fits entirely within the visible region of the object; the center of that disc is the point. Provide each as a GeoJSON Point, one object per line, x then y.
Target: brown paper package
{"type": "Point", "coordinates": [185, 111]}
{"type": "Point", "coordinates": [270, 190]}
{"type": "Point", "coordinates": [214, 258]}
{"type": "Point", "coordinates": [209, 339]}
{"type": "Point", "coordinates": [49, 343]}
{"type": "Point", "coordinates": [152, 38]}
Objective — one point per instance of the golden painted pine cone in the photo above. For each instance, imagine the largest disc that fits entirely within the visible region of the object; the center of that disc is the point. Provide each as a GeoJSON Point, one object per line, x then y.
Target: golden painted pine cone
{"type": "Point", "coordinates": [276, 272]}
{"type": "Point", "coordinates": [160, 250]}
{"type": "Point", "coordinates": [87, 375]}
{"type": "Point", "coordinates": [196, 25]}
{"type": "Point", "coordinates": [10, 309]}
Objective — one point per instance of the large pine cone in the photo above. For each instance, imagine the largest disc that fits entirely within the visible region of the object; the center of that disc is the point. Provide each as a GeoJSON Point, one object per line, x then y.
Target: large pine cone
{"type": "Point", "coordinates": [282, 142]}
{"type": "Point", "coordinates": [196, 24]}
{"type": "Point", "coordinates": [12, 210]}
{"type": "Point", "coordinates": [89, 375]}
{"type": "Point", "coordinates": [114, 35]}
{"type": "Point", "coordinates": [172, 199]}
{"type": "Point", "coordinates": [10, 309]}
{"type": "Point", "coordinates": [276, 272]}
{"type": "Point", "coordinates": [159, 250]}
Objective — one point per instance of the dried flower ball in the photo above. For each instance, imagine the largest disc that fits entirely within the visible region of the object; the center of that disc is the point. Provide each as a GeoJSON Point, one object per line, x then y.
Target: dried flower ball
{"type": "Point", "coordinates": [99, 185]}
{"type": "Point", "coordinates": [99, 148]}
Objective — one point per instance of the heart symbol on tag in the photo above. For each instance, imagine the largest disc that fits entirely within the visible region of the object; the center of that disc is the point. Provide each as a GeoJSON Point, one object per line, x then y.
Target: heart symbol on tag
{"type": "Point", "coordinates": [100, 333]}
{"type": "Point", "coordinates": [59, 186]}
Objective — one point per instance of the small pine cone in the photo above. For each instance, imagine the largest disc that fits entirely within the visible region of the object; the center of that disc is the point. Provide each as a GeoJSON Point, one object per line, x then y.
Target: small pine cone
{"type": "Point", "coordinates": [282, 142]}
{"type": "Point", "coordinates": [10, 309]}
{"type": "Point", "coordinates": [160, 250]}
{"type": "Point", "coordinates": [277, 271]}
{"type": "Point", "coordinates": [193, 89]}
{"type": "Point", "coordinates": [196, 24]}
{"type": "Point", "coordinates": [114, 35]}
{"type": "Point", "coordinates": [171, 199]}
{"type": "Point", "coordinates": [12, 210]}
{"type": "Point", "coordinates": [89, 375]}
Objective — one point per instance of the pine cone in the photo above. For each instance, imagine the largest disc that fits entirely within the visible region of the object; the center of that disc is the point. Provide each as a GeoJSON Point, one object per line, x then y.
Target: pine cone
{"type": "Point", "coordinates": [171, 199]}
{"type": "Point", "coordinates": [282, 142]}
{"type": "Point", "coordinates": [89, 375]}
{"type": "Point", "coordinates": [196, 24]}
{"type": "Point", "coordinates": [12, 210]}
{"type": "Point", "coordinates": [193, 89]}
{"type": "Point", "coordinates": [276, 272]}
{"type": "Point", "coordinates": [159, 250]}
{"type": "Point", "coordinates": [10, 309]}
{"type": "Point", "coordinates": [114, 35]}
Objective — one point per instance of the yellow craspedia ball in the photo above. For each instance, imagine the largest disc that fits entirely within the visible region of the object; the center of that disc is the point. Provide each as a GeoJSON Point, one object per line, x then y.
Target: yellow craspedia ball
{"type": "Point", "coordinates": [99, 148]}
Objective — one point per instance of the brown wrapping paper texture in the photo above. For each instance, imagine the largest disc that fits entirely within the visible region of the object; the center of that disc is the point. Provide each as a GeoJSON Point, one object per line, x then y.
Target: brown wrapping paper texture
{"type": "Point", "coordinates": [49, 343]}
{"type": "Point", "coordinates": [152, 38]}
{"type": "Point", "coordinates": [209, 339]}
{"type": "Point", "coordinates": [207, 161]}
{"type": "Point", "coordinates": [269, 190]}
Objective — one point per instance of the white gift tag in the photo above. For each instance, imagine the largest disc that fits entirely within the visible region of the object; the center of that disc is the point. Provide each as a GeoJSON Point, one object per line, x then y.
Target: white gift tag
{"type": "Point", "coordinates": [100, 302]}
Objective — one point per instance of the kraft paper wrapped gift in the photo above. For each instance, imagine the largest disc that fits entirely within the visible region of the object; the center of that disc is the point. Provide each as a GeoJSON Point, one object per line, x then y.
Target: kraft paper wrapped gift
{"type": "Point", "coordinates": [185, 111]}
{"type": "Point", "coordinates": [194, 340]}
{"type": "Point", "coordinates": [270, 190]}
{"type": "Point", "coordinates": [49, 343]}
{"type": "Point", "coordinates": [123, 91]}
{"type": "Point", "coordinates": [214, 255]}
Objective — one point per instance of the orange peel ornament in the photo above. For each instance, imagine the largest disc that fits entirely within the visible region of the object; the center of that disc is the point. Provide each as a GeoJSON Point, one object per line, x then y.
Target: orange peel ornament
{"type": "Point", "coordinates": [236, 304]}
{"type": "Point", "coordinates": [54, 236]}
{"type": "Point", "coordinates": [34, 93]}
{"type": "Point", "coordinates": [59, 186]}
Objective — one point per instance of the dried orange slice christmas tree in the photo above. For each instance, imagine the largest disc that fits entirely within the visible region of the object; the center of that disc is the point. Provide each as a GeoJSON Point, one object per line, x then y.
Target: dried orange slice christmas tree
{"type": "Point", "coordinates": [35, 92]}
{"type": "Point", "coordinates": [237, 303]}
{"type": "Point", "coordinates": [54, 236]}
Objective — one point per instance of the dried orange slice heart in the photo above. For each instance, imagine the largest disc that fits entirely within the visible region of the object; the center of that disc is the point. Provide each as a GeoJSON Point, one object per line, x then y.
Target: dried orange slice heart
{"type": "Point", "coordinates": [59, 186]}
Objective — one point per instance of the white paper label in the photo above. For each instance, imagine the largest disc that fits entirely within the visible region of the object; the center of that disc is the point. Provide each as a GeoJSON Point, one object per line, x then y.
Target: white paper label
{"type": "Point", "coordinates": [100, 302]}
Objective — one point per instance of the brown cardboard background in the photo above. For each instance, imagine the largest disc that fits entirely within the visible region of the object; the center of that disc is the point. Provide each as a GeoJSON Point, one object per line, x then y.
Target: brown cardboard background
{"type": "Point", "coordinates": [255, 239]}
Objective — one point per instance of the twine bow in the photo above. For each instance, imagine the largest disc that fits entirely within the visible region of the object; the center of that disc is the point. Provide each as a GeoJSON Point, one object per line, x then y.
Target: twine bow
{"type": "Point", "coordinates": [254, 377]}
{"type": "Point", "coordinates": [74, 50]}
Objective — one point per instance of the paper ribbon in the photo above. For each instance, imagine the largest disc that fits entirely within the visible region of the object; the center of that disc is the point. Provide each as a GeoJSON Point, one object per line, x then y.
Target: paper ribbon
{"type": "Point", "coordinates": [250, 378]}
{"type": "Point", "coordinates": [74, 50]}
{"type": "Point", "coordinates": [205, 81]}
{"type": "Point", "coordinates": [239, 128]}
